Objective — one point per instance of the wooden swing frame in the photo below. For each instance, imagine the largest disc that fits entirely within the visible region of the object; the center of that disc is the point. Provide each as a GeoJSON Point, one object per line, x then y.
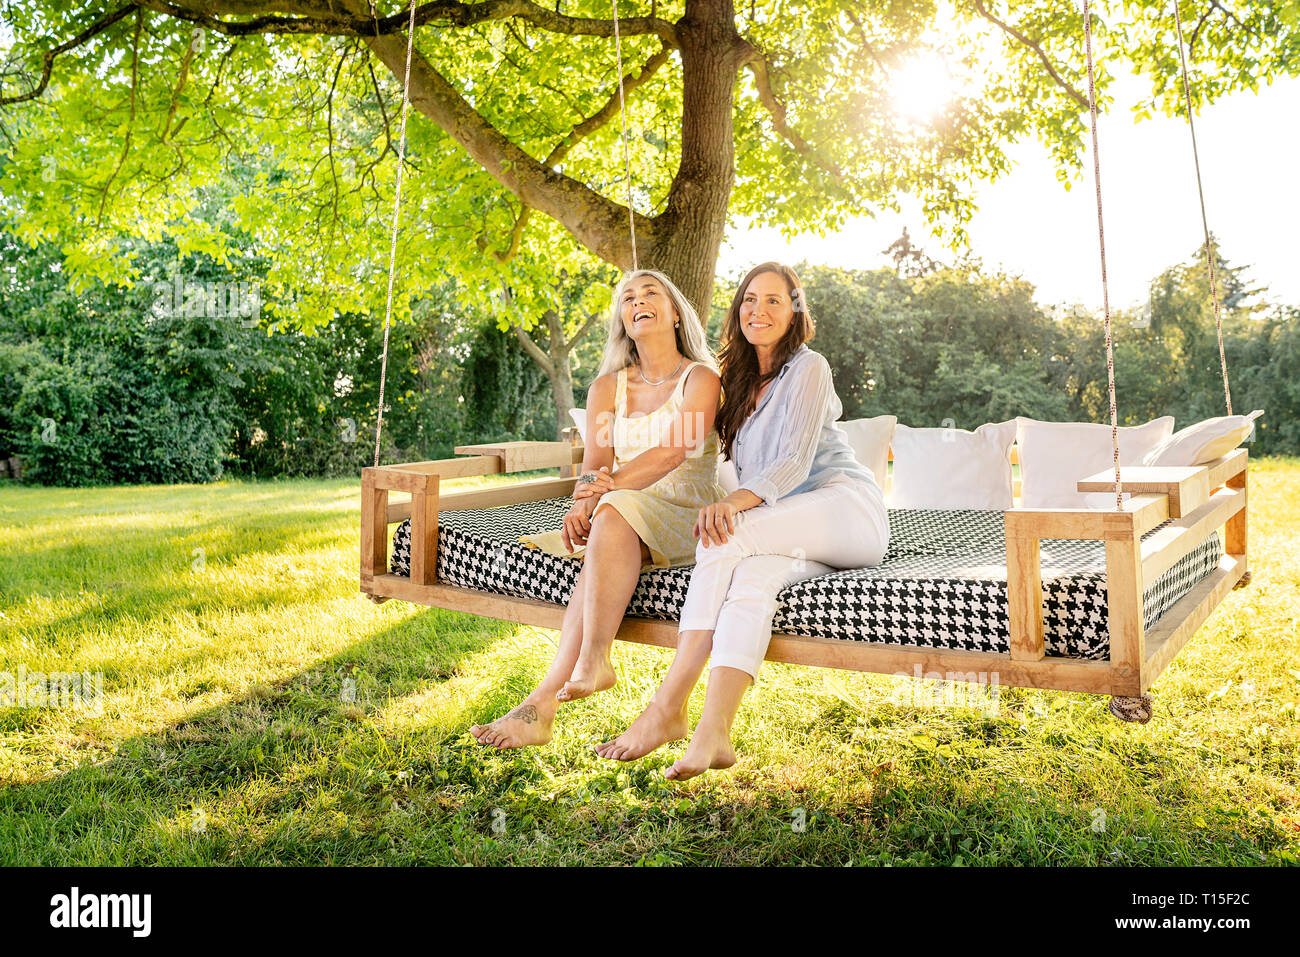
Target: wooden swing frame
{"type": "Point", "coordinates": [1195, 501]}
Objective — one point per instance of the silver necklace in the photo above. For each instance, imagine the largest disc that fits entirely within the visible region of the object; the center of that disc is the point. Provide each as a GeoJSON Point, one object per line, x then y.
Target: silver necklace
{"type": "Point", "coordinates": [641, 373]}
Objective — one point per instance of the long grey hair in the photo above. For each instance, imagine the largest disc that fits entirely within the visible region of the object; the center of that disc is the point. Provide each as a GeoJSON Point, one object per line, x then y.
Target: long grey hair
{"type": "Point", "coordinates": [620, 350]}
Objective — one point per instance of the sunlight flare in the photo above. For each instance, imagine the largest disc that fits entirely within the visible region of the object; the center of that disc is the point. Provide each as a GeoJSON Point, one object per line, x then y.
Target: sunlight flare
{"type": "Point", "coordinates": [921, 87]}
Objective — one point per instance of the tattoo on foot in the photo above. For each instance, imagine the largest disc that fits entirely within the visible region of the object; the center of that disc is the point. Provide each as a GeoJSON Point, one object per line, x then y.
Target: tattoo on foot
{"type": "Point", "coordinates": [527, 713]}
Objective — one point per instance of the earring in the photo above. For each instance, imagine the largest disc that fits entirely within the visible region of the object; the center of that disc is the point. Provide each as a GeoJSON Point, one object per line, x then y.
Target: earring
{"type": "Point", "coordinates": [677, 325]}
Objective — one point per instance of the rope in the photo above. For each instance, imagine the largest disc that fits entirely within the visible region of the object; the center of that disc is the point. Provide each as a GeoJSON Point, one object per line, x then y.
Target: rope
{"type": "Point", "coordinates": [1101, 239]}
{"type": "Point", "coordinates": [397, 206]}
{"type": "Point", "coordinates": [627, 158]}
{"type": "Point", "coordinates": [1205, 222]}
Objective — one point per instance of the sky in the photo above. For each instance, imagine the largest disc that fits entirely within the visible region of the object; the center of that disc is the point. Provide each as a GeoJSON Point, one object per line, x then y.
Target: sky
{"type": "Point", "coordinates": [1032, 226]}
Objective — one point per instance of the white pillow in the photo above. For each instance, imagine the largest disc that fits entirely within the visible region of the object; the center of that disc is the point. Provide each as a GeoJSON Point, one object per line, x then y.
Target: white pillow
{"type": "Point", "coordinates": [1055, 456]}
{"type": "Point", "coordinates": [953, 468]}
{"type": "Point", "coordinates": [579, 417]}
{"type": "Point", "coordinates": [869, 439]}
{"type": "Point", "coordinates": [1203, 442]}
{"type": "Point", "coordinates": [727, 476]}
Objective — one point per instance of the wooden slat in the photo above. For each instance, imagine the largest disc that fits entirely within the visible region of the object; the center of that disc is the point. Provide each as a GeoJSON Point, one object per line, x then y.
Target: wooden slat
{"type": "Point", "coordinates": [527, 611]}
{"type": "Point", "coordinates": [1148, 511]}
{"type": "Point", "coordinates": [1187, 488]}
{"type": "Point", "coordinates": [424, 534]}
{"type": "Point", "coordinates": [1222, 469]}
{"type": "Point", "coordinates": [1055, 523]}
{"type": "Point", "coordinates": [1185, 618]}
{"type": "Point", "coordinates": [532, 491]}
{"type": "Point", "coordinates": [522, 456]}
{"type": "Point", "coordinates": [1162, 549]}
{"type": "Point", "coordinates": [1236, 539]}
{"type": "Point", "coordinates": [397, 479]}
{"type": "Point", "coordinates": [374, 530]}
{"type": "Point", "coordinates": [454, 468]}
{"type": "Point", "coordinates": [1024, 597]}
{"type": "Point", "coordinates": [1124, 611]}
{"type": "Point", "coordinates": [1063, 674]}
{"type": "Point", "coordinates": [573, 438]}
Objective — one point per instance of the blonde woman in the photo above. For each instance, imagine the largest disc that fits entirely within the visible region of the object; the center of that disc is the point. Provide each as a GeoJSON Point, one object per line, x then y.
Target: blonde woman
{"type": "Point", "coordinates": [805, 506]}
{"type": "Point", "coordinates": [650, 465]}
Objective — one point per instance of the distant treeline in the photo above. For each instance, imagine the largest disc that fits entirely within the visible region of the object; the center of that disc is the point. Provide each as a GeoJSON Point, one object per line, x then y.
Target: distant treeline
{"type": "Point", "coordinates": [185, 378]}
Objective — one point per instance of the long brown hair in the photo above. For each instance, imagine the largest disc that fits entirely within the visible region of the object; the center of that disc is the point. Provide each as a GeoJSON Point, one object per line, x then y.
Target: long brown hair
{"type": "Point", "coordinates": [738, 360]}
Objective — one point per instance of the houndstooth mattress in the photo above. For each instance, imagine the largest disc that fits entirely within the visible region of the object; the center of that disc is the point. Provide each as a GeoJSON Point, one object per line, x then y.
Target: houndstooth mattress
{"type": "Point", "coordinates": [942, 583]}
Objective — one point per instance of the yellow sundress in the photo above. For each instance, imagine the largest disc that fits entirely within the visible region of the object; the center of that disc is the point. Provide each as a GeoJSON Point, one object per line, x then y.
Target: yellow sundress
{"type": "Point", "coordinates": [664, 513]}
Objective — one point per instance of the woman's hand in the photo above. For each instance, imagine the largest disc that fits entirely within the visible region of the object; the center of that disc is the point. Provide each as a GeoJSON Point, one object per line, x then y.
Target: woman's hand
{"type": "Point", "coordinates": [577, 522]}
{"type": "Point", "coordinates": [716, 523]}
{"type": "Point", "coordinates": [604, 482]}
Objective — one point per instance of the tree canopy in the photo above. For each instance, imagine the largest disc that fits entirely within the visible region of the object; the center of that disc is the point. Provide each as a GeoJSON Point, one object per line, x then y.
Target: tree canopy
{"type": "Point", "coordinates": [128, 117]}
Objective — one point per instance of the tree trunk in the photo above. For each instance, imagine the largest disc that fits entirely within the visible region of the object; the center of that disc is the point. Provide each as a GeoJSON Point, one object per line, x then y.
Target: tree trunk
{"type": "Point", "coordinates": [687, 235]}
{"type": "Point", "coordinates": [561, 375]}
{"type": "Point", "coordinates": [562, 392]}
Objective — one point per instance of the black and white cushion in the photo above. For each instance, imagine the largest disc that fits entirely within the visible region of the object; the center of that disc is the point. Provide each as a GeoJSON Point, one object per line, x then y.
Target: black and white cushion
{"type": "Point", "coordinates": [942, 583]}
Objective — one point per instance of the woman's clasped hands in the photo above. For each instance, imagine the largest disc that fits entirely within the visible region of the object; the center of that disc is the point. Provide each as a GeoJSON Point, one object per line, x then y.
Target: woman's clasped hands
{"type": "Point", "coordinates": [716, 523]}
{"type": "Point", "coordinates": [586, 496]}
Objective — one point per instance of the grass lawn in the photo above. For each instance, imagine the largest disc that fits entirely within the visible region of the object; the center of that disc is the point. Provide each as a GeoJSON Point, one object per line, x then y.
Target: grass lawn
{"type": "Point", "coordinates": [258, 710]}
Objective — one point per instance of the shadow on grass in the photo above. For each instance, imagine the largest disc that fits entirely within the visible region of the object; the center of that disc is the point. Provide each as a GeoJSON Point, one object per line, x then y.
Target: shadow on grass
{"type": "Point", "coordinates": [363, 758]}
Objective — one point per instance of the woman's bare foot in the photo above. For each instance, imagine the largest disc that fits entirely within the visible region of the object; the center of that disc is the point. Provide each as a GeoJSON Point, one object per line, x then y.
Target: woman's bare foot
{"type": "Point", "coordinates": [653, 728]}
{"type": "Point", "coordinates": [528, 724]}
{"type": "Point", "coordinates": [588, 677]}
{"type": "Point", "coordinates": [709, 750]}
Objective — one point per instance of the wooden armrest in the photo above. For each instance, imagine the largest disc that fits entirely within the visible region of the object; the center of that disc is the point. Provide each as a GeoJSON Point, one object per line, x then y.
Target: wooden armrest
{"type": "Point", "coordinates": [523, 456]}
{"type": "Point", "coordinates": [1188, 487]}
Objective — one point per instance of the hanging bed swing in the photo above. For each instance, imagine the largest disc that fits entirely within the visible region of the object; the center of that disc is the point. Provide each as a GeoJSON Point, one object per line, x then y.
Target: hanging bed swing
{"type": "Point", "coordinates": [1089, 600]}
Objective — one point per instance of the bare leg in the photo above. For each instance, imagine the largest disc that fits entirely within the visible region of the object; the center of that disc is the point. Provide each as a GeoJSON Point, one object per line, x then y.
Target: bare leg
{"type": "Point", "coordinates": [530, 721]}
{"type": "Point", "coordinates": [710, 745]}
{"type": "Point", "coordinates": [664, 717]}
{"type": "Point", "coordinates": [612, 565]}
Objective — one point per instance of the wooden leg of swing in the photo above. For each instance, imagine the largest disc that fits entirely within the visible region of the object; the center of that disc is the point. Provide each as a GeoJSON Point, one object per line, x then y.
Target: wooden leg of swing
{"type": "Point", "coordinates": [1235, 539]}
{"type": "Point", "coordinates": [1126, 624]}
{"type": "Point", "coordinates": [374, 529]}
{"type": "Point", "coordinates": [424, 533]}
{"type": "Point", "coordinates": [1024, 596]}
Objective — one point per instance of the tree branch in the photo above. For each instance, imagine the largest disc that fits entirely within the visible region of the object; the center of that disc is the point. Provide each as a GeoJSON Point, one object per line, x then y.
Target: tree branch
{"type": "Point", "coordinates": [186, 58]}
{"type": "Point", "coordinates": [1037, 48]}
{"type": "Point", "coordinates": [582, 330]}
{"type": "Point", "coordinates": [324, 19]}
{"type": "Point", "coordinates": [47, 67]}
{"type": "Point", "coordinates": [329, 129]}
{"type": "Point", "coordinates": [516, 236]}
{"type": "Point", "coordinates": [580, 132]}
{"type": "Point", "coordinates": [757, 65]}
{"type": "Point", "coordinates": [610, 109]}
{"type": "Point", "coordinates": [594, 220]}
{"type": "Point", "coordinates": [126, 143]}
{"type": "Point", "coordinates": [534, 350]}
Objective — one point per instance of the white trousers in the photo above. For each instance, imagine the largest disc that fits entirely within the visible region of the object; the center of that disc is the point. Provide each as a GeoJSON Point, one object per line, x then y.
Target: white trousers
{"type": "Point", "coordinates": [734, 586]}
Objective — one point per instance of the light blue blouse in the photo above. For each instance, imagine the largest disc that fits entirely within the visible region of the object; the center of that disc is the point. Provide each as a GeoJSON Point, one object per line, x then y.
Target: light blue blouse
{"type": "Point", "coordinates": [790, 442]}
